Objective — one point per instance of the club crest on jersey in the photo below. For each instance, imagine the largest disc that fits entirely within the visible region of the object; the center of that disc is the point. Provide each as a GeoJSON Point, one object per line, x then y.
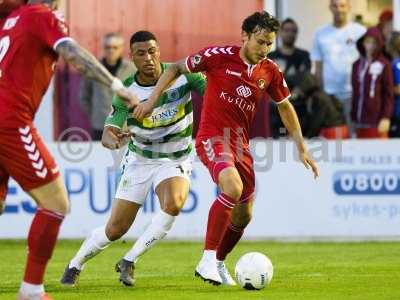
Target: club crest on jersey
{"type": "Point", "coordinates": [195, 60]}
{"type": "Point", "coordinates": [243, 91]}
{"type": "Point", "coordinates": [10, 23]}
{"type": "Point", "coordinates": [261, 84]}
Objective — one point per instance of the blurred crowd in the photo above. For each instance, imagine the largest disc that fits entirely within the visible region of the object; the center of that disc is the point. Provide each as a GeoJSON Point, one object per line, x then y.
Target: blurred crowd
{"type": "Point", "coordinates": [346, 86]}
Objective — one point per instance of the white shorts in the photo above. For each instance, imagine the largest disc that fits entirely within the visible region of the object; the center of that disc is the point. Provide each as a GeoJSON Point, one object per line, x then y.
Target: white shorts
{"type": "Point", "coordinates": [137, 177]}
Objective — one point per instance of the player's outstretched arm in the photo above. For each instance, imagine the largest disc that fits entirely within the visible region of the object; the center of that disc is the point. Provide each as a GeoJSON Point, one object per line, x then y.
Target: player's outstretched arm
{"type": "Point", "coordinates": [170, 74]}
{"type": "Point", "coordinates": [90, 67]}
{"type": "Point", "coordinates": [291, 122]}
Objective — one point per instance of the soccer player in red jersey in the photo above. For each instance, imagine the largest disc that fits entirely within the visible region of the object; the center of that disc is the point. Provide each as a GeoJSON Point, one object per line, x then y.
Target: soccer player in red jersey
{"type": "Point", "coordinates": [31, 39]}
{"type": "Point", "coordinates": [237, 80]}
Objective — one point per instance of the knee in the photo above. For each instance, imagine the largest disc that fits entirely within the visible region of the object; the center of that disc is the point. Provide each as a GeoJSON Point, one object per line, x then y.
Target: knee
{"type": "Point", "coordinates": [60, 205]}
{"type": "Point", "coordinates": [115, 230]}
{"type": "Point", "coordinates": [174, 204]}
{"type": "Point", "coordinates": [233, 187]}
{"type": "Point", "coordinates": [242, 220]}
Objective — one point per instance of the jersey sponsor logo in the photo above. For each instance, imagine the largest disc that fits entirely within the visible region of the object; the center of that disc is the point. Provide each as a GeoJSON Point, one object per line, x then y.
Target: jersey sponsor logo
{"type": "Point", "coordinates": [238, 74]}
{"type": "Point", "coordinates": [165, 115]}
{"type": "Point", "coordinates": [218, 50]}
{"type": "Point", "coordinates": [243, 91]}
{"type": "Point", "coordinates": [10, 23]}
{"type": "Point", "coordinates": [238, 101]}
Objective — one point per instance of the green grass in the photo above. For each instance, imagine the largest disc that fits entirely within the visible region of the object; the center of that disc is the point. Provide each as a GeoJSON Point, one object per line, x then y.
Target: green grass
{"type": "Point", "coordinates": [320, 271]}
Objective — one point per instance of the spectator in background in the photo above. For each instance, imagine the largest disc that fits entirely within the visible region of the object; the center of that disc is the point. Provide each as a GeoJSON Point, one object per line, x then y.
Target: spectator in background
{"type": "Point", "coordinates": [372, 81]}
{"type": "Point", "coordinates": [334, 51]}
{"type": "Point", "coordinates": [385, 27]}
{"type": "Point", "coordinates": [395, 51]}
{"type": "Point", "coordinates": [292, 61]}
{"type": "Point", "coordinates": [96, 99]}
{"type": "Point", "coordinates": [319, 114]}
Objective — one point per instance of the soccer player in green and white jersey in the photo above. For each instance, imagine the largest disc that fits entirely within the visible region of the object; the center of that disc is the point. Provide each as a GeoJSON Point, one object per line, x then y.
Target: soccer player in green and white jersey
{"type": "Point", "coordinates": [159, 154]}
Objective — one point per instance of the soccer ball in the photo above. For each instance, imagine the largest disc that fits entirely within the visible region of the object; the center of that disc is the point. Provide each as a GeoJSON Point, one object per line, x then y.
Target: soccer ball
{"type": "Point", "coordinates": [254, 271]}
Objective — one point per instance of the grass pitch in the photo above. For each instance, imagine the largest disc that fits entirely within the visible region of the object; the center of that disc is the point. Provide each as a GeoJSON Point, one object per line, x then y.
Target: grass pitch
{"type": "Point", "coordinates": [320, 271]}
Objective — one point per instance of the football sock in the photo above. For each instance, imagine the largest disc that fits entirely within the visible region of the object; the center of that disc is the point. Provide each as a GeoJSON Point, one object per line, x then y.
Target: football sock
{"type": "Point", "coordinates": [42, 239]}
{"type": "Point", "coordinates": [231, 237]}
{"type": "Point", "coordinates": [157, 230]}
{"type": "Point", "coordinates": [93, 245]}
{"type": "Point", "coordinates": [31, 290]}
{"type": "Point", "coordinates": [218, 220]}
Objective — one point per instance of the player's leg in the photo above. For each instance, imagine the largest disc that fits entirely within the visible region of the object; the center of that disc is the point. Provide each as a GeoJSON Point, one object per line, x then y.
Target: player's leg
{"type": "Point", "coordinates": [130, 196]}
{"type": "Point", "coordinates": [219, 216]}
{"type": "Point", "coordinates": [25, 158]}
{"type": "Point", "coordinates": [241, 216]}
{"type": "Point", "coordinates": [122, 216]}
{"type": "Point", "coordinates": [3, 189]}
{"type": "Point", "coordinates": [172, 188]}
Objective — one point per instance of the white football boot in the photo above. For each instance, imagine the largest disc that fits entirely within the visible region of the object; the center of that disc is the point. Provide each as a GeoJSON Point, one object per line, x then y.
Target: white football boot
{"type": "Point", "coordinates": [207, 268]}
{"type": "Point", "coordinates": [224, 274]}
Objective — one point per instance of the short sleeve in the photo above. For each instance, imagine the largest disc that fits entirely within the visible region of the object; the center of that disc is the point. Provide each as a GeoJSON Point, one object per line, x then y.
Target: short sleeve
{"type": "Point", "coordinates": [119, 110]}
{"type": "Point", "coordinates": [118, 115]}
{"type": "Point", "coordinates": [197, 82]}
{"type": "Point", "coordinates": [396, 72]}
{"type": "Point", "coordinates": [278, 89]}
{"type": "Point", "coordinates": [206, 59]}
{"type": "Point", "coordinates": [316, 53]}
{"type": "Point", "coordinates": [50, 28]}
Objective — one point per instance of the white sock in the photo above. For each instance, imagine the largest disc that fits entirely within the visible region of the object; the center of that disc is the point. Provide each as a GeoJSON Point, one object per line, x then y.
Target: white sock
{"type": "Point", "coordinates": [209, 255]}
{"type": "Point", "coordinates": [93, 245]}
{"type": "Point", "coordinates": [157, 230]}
{"type": "Point", "coordinates": [30, 290]}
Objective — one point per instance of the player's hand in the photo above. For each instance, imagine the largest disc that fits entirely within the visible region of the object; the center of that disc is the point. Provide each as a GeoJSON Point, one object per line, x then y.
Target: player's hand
{"type": "Point", "coordinates": [143, 110]}
{"type": "Point", "coordinates": [124, 137]}
{"type": "Point", "coordinates": [308, 162]}
{"type": "Point", "coordinates": [384, 125]}
{"type": "Point", "coordinates": [130, 97]}
{"type": "Point", "coordinates": [113, 138]}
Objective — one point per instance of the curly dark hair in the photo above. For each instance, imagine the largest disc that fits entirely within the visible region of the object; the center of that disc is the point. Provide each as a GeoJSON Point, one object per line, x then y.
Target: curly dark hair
{"type": "Point", "coordinates": [258, 21]}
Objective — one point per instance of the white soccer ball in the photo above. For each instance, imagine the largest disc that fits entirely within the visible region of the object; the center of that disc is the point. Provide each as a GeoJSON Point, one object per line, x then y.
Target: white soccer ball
{"type": "Point", "coordinates": [254, 271]}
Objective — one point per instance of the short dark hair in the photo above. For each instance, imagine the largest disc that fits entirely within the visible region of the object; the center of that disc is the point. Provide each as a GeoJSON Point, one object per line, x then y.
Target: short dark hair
{"type": "Point", "coordinates": [258, 21]}
{"type": "Point", "coordinates": [287, 21]}
{"type": "Point", "coordinates": [142, 36]}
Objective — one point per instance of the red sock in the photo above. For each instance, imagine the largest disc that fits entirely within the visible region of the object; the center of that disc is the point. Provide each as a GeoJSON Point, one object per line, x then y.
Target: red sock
{"type": "Point", "coordinates": [42, 238]}
{"type": "Point", "coordinates": [218, 219]}
{"type": "Point", "coordinates": [231, 237]}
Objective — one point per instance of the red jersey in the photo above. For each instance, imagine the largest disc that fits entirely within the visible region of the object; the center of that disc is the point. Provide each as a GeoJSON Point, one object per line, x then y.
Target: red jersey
{"type": "Point", "coordinates": [234, 90]}
{"type": "Point", "coordinates": [28, 38]}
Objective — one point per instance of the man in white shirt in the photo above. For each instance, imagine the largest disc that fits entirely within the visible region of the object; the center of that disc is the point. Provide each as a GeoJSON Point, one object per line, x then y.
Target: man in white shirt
{"type": "Point", "coordinates": [334, 52]}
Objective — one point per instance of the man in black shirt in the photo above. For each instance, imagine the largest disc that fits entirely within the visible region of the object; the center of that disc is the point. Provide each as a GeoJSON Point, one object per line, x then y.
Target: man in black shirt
{"type": "Point", "coordinates": [292, 61]}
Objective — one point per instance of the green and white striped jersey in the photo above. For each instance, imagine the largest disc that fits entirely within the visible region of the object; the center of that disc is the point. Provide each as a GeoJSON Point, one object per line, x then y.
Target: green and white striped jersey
{"type": "Point", "coordinates": [167, 133]}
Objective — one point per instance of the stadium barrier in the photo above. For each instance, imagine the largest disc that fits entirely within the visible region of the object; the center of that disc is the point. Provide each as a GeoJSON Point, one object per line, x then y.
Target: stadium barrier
{"type": "Point", "coordinates": [356, 197]}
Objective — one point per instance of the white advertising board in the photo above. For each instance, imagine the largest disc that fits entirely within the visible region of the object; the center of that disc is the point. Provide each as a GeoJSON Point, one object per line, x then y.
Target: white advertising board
{"type": "Point", "coordinates": [356, 196]}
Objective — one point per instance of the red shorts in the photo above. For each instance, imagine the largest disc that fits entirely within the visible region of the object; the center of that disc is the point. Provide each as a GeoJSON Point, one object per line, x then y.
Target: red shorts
{"type": "Point", "coordinates": [24, 157]}
{"type": "Point", "coordinates": [216, 157]}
